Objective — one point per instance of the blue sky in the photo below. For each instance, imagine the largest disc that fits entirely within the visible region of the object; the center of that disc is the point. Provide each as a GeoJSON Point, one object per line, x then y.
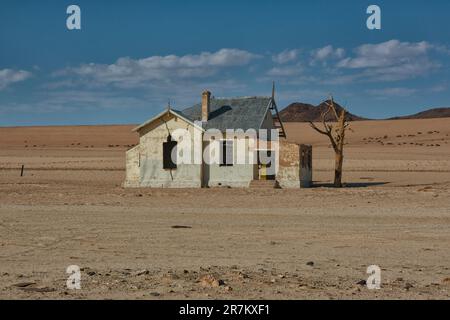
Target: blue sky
{"type": "Point", "coordinates": [130, 57]}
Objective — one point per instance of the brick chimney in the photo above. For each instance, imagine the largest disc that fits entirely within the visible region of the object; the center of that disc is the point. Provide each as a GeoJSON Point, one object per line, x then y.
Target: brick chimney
{"type": "Point", "coordinates": [206, 95]}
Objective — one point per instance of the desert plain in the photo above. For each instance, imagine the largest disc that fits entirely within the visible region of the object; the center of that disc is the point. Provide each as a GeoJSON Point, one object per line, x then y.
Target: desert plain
{"type": "Point", "coordinates": [69, 208]}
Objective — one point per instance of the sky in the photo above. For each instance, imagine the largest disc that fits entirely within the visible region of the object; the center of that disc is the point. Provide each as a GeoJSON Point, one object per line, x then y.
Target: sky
{"type": "Point", "coordinates": [131, 57]}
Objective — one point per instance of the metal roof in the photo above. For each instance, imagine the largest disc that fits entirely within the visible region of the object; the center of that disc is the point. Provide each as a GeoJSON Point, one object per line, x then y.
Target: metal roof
{"type": "Point", "coordinates": [231, 113]}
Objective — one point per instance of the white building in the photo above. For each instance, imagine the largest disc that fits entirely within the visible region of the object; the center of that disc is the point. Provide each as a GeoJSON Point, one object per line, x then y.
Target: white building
{"type": "Point", "coordinates": [206, 128]}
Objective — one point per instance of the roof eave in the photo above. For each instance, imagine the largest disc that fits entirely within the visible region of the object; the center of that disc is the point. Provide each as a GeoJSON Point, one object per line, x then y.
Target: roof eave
{"type": "Point", "coordinates": [170, 111]}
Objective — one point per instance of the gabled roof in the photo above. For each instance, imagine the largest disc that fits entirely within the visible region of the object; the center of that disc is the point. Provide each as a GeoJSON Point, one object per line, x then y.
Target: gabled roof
{"type": "Point", "coordinates": [225, 113]}
{"type": "Point", "coordinates": [171, 111]}
{"type": "Point", "coordinates": [231, 113]}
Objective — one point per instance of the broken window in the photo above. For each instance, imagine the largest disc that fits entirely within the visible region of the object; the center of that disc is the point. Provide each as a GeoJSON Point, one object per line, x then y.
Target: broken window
{"type": "Point", "coordinates": [170, 154]}
{"type": "Point", "coordinates": [226, 153]}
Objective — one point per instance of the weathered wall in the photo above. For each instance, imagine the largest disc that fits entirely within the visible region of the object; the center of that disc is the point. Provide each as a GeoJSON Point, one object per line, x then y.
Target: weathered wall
{"type": "Point", "coordinates": [305, 166]}
{"type": "Point", "coordinates": [132, 173]}
{"type": "Point", "coordinates": [238, 175]}
{"type": "Point", "coordinates": [288, 175]}
{"type": "Point", "coordinates": [294, 171]}
{"type": "Point", "coordinates": [151, 169]}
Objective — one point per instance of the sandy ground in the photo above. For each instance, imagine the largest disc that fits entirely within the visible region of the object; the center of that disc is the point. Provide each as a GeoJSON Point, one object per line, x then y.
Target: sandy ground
{"type": "Point", "coordinates": [69, 209]}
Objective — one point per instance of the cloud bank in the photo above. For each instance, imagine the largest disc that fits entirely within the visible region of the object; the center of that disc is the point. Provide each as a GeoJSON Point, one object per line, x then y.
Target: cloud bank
{"type": "Point", "coordinates": [127, 72]}
{"type": "Point", "coordinates": [386, 69]}
{"type": "Point", "coordinates": [9, 76]}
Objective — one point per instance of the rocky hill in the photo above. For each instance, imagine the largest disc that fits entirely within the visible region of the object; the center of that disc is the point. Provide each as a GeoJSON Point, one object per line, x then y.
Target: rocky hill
{"type": "Point", "coordinates": [303, 112]}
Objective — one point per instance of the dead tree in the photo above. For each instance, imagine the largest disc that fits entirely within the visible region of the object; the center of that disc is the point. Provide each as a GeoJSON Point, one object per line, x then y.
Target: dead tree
{"type": "Point", "coordinates": [336, 134]}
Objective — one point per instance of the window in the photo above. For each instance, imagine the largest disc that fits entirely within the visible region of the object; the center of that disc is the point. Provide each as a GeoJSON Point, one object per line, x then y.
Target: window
{"type": "Point", "coordinates": [226, 153]}
{"type": "Point", "coordinates": [169, 149]}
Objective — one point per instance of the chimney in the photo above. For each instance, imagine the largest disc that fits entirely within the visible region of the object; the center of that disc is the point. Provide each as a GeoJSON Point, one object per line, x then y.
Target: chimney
{"type": "Point", "coordinates": [205, 105]}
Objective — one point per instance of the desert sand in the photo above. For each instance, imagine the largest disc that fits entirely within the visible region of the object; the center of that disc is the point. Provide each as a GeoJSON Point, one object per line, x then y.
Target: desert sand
{"type": "Point", "coordinates": [69, 208]}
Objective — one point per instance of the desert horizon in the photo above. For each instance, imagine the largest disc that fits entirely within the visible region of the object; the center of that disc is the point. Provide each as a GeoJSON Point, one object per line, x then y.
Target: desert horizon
{"type": "Point", "coordinates": [225, 156]}
{"type": "Point", "coordinates": [299, 244]}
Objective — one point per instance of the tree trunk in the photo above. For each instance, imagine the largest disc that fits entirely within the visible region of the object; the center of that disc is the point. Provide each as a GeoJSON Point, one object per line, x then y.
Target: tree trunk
{"type": "Point", "coordinates": [336, 135]}
{"type": "Point", "coordinates": [339, 151]}
{"type": "Point", "coordinates": [339, 160]}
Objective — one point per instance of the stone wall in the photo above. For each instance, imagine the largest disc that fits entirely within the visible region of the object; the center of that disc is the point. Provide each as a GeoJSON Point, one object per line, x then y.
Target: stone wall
{"type": "Point", "coordinates": [294, 171]}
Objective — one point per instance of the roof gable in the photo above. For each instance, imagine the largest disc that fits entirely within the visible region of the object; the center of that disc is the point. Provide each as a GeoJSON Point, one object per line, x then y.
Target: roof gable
{"type": "Point", "coordinates": [176, 113]}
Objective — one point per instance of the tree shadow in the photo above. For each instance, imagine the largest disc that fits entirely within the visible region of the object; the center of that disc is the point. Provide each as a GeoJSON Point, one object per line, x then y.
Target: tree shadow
{"type": "Point", "coordinates": [348, 184]}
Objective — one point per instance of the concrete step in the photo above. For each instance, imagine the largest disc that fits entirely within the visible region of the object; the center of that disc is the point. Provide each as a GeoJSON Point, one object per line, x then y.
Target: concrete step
{"type": "Point", "coordinates": [264, 184]}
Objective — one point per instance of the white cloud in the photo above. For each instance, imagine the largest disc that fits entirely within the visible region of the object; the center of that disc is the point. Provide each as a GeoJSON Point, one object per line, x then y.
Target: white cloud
{"type": "Point", "coordinates": [9, 76]}
{"type": "Point", "coordinates": [392, 92]}
{"type": "Point", "coordinates": [231, 72]}
{"type": "Point", "coordinates": [75, 101]}
{"type": "Point", "coordinates": [382, 62]}
{"type": "Point", "coordinates": [384, 93]}
{"type": "Point", "coordinates": [75, 98]}
{"type": "Point", "coordinates": [391, 60]}
{"type": "Point", "coordinates": [303, 94]}
{"type": "Point", "coordinates": [327, 52]}
{"type": "Point", "coordinates": [385, 54]}
{"type": "Point", "coordinates": [285, 71]}
{"type": "Point", "coordinates": [286, 56]}
{"type": "Point", "coordinates": [127, 72]}
{"type": "Point", "coordinates": [406, 70]}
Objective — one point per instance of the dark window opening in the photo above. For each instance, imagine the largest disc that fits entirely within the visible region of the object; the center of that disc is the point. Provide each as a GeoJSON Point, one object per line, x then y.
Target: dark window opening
{"type": "Point", "coordinates": [169, 154]}
{"type": "Point", "coordinates": [226, 153]}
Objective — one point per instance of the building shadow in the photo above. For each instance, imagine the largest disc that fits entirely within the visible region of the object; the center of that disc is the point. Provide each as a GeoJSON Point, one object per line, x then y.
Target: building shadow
{"type": "Point", "coordinates": [218, 112]}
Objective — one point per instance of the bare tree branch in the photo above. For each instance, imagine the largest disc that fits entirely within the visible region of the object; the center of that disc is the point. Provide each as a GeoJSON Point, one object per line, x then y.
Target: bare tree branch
{"type": "Point", "coordinates": [336, 135]}
{"type": "Point", "coordinates": [325, 125]}
{"type": "Point", "coordinates": [334, 108]}
{"type": "Point", "coordinates": [317, 129]}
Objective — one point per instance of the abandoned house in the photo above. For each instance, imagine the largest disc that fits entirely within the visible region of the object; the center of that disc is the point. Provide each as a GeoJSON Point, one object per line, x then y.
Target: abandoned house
{"type": "Point", "coordinates": [153, 162]}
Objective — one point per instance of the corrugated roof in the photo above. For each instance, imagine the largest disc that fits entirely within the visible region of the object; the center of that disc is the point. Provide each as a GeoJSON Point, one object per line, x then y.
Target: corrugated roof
{"type": "Point", "coordinates": [231, 113]}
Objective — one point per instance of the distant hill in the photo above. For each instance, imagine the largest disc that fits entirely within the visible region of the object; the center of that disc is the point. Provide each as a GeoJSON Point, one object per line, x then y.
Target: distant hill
{"type": "Point", "coordinates": [427, 114]}
{"type": "Point", "coordinates": [303, 112]}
